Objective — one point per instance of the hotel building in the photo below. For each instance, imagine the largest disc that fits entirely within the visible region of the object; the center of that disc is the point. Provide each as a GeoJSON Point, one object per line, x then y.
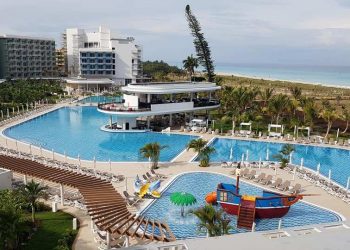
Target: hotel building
{"type": "Point", "coordinates": [26, 57]}
{"type": "Point", "coordinates": [99, 55]}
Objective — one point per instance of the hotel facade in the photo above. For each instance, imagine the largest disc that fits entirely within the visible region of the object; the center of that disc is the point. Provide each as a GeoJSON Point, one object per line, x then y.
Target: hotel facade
{"type": "Point", "coordinates": [92, 55]}
{"type": "Point", "coordinates": [26, 57]}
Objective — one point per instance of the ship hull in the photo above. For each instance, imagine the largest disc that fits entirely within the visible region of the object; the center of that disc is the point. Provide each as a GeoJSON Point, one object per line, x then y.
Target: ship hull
{"type": "Point", "coordinates": [260, 212]}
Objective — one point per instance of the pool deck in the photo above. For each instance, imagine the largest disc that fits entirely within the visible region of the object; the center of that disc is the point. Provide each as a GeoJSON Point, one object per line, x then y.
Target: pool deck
{"type": "Point", "coordinates": [179, 165]}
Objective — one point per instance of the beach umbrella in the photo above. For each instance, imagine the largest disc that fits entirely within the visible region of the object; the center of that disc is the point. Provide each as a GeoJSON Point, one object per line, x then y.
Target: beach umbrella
{"type": "Point", "coordinates": [337, 134]}
{"type": "Point", "coordinates": [242, 160]}
{"type": "Point", "coordinates": [247, 156]}
{"type": "Point", "coordinates": [318, 168]}
{"type": "Point", "coordinates": [231, 153]}
{"type": "Point", "coordinates": [348, 184]}
{"type": "Point", "coordinates": [290, 158]}
{"type": "Point", "coordinates": [301, 163]}
{"type": "Point", "coordinates": [182, 199]}
{"type": "Point", "coordinates": [260, 162]}
{"type": "Point", "coordinates": [329, 175]}
{"type": "Point", "coordinates": [267, 154]}
{"type": "Point", "coordinates": [294, 172]}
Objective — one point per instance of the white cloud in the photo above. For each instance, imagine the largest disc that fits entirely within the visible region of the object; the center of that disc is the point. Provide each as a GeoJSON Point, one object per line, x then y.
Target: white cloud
{"type": "Point", "coordinates": [250, 26]}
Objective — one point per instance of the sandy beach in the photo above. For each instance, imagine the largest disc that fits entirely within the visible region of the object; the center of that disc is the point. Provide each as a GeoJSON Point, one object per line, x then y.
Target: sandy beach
{"type": "Point", "coordinates": [283, 80]}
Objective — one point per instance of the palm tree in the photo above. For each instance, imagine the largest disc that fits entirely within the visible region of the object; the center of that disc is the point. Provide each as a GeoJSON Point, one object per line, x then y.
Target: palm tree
{"type": "Point", "coordinates": [152, 151]}
{"type": "Point", "coordinates": [200, 147]}
{"type": "Point", "coordinates": [297, 95]}
{"type": "Point", "coordinates": [346, 118]}
{"type": "Point", "coordinates": [278, 105]}
{"type": "Point", "coordinates": [197, 145]}
{"type": "Point", "coordinates": [284, 154]}
{"type": "Point", "coordinates": [32, 192]}
{"type": "Point", "coordinates": [213, 221]}
{"type": "Point", "coordinates": [266, 95]}
{"type": "Point", "coordinates": [205, 156]}
{"type": "Point", "coordinates": [309, 109]}
{"type": "Point", "coordinates": [329, 114]}
{"type": "Point", "coordinates": [189, 64]}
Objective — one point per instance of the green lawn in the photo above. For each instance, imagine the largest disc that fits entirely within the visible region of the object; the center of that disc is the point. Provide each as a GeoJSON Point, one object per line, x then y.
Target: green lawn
{"type": "Point", "coordinates": [52, 227]}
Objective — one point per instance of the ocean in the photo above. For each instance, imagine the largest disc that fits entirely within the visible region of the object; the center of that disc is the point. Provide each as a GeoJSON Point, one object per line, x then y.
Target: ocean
{"type": "Point", "coordinates": [325, 75]}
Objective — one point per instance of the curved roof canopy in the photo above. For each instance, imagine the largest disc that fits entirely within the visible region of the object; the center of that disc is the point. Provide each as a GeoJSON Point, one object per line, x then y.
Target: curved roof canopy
{"type": "Point", "coordinates": [171, 87]}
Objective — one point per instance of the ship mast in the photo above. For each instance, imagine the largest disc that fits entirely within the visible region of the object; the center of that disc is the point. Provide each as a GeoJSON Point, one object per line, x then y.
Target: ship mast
{"type": "Point", "coordinates": [238, 173]}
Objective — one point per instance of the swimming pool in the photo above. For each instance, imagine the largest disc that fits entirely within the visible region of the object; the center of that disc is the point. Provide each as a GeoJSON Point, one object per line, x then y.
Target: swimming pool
{"type": "Point", "coordinates": [201, 183]}
{"type": "Point", "coordinates": [76, 131]}
{"type": "Point", "coordinates": [101, 98]}
{"type": "Point", "coordinates": [338, 160]}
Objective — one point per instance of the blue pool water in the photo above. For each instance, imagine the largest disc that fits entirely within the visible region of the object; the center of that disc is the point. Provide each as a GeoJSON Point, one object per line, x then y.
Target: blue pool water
{"type": "Point", "coordinates": [338, 160]}
{"type": "Point", "coordinates": [101, 98]}
{"type": "Point", "coordinates": [76, 130]}
{"type": "Point", "coordinates": [200, 183]}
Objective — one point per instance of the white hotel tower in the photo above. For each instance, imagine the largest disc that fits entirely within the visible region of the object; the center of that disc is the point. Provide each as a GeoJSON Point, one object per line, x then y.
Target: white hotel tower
{"type": "Point", "coordinates": [98, 55]}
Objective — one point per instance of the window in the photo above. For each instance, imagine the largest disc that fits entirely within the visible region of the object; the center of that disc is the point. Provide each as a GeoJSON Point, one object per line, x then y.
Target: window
{"type": "Point", "coordinates": [113, 55]}
{"type": "Point", "coordinates": [108, 61]}
{"type": "Point", "coordinates": [108, 55]}
{"type": "Point", "coordinates": [223, 196]}
{"type": "Point", "coordinates": [108, 72]}
{"type": "Point", "coordinates": [86, 45]}
{"type": "Point", "coordinates": [100, 55]}
{"type": "Point", "coordinates": [100, 61]}
{"type": "Point", "coordinates": [83, 54]}
{"type": "Point", "coordinates": [113, 72]}
{"type": "Point", "coordinates": [128, 81]}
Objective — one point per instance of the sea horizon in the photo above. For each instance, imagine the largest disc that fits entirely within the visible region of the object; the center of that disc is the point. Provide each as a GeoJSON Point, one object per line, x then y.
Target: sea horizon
{"type": "Point", "coordinates": [326, 75]}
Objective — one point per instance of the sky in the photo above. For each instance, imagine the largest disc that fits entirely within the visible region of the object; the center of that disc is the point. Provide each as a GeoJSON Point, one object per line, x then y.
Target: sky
{"type": "Point", "coordinates": [285, 32]}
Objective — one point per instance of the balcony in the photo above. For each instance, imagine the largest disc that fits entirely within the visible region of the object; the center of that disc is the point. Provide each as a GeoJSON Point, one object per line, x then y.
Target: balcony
{"type": "Point", "coordinates": [160, 106]}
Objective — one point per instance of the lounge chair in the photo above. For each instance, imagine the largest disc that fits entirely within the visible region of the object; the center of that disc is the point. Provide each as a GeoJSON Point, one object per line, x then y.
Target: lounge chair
{"type": "Point", "coordinates": [244, 172]}
{"type": "Point", "coordinates": [260, 177]}
{"type": "Point", "coordinates": [131, 200]}
{"type": "Point", "coordinates": [296, 189]}
{"type": "Point", "coordinates": [276, 183]}
{"type": "Point", "coordinates": [151, 177]}
{"type": "Point", "coordinates": [266, 180]}
{"type": "Point", "coordinates": [251, 175]}
{"type": "Point", "coordinates": [159, 176]}
{"type": "Point", "coordinates": [284, 186]}
{"type": "Point", "coordinates": [145, 177]}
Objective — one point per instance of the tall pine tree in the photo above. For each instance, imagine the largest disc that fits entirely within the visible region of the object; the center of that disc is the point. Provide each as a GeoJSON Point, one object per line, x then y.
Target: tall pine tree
{"type": "Point", "coordinates": [200, 44]}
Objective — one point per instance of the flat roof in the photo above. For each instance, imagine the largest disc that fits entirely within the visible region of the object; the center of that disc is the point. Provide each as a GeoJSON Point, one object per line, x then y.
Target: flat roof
{"type": "Point", "coordinates": [26, 37]}
{"type": "Point", "coordinates": [88, 81]}
{"type": "Point", "coordinates": [171, 87]}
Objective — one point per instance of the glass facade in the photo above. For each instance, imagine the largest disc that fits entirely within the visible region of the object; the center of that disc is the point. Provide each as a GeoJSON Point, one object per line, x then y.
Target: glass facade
{"type": "Point", "coordinates": [97, 63]}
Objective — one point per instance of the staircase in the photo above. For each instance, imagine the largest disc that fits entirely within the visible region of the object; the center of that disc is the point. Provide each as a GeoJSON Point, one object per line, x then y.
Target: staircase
{"type": "Point", "coordinates": [246, 213]}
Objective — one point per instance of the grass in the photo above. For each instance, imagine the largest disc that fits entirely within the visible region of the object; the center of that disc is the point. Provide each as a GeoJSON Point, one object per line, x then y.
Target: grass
{"type": "Point", "coordinates": [52, 226]}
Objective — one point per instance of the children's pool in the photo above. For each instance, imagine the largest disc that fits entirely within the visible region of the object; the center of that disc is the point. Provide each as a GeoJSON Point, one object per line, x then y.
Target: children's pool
{"type": "Point", "coordinates": [201, 183]}
{"type": "Point", "coordinates": [101, 98]}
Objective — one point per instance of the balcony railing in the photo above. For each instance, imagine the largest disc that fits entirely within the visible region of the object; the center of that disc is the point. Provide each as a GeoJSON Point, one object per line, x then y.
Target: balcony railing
{"type": "Point", "coordinates": [142, 107]}
{"type": "Point", "coordinates": [120, 108]}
